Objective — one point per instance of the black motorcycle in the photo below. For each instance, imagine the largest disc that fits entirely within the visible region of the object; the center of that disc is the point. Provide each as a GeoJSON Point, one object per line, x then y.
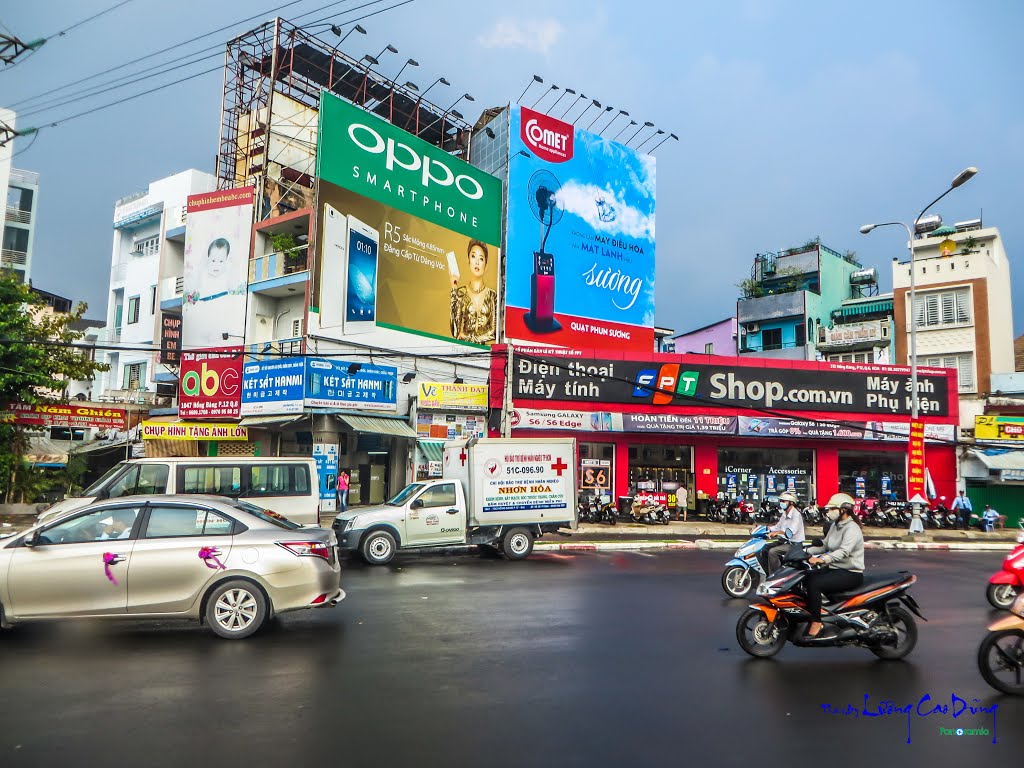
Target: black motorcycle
{"type": "Point", "coordinates": [876, 615]}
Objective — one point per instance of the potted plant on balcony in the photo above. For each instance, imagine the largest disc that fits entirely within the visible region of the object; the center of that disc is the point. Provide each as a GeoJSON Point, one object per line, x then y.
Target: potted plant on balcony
{"type": "Point", "coordinates": [294, 254]}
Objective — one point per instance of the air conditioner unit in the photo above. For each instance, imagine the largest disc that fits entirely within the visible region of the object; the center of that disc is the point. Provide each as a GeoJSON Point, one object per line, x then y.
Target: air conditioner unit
{"type": "Point", "coordinates": [297, 328]}
{"type": "Point", "coordinates": [752, 327]}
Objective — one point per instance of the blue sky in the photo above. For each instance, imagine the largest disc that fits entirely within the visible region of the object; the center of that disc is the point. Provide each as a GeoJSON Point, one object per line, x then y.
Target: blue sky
{"type": "Point", "coordinates": [796, 119]}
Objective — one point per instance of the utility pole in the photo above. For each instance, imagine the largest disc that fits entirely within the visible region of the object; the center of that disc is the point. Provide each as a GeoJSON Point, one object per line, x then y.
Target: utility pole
{"type": "Point", "coordinates": [12, 47]}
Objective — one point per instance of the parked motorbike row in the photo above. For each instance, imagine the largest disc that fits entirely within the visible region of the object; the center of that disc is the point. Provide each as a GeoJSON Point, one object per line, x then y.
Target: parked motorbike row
{"type": "Point", "coordinates": [593, 509]}
{"type": "Point", "coordinates": [878, 615]}
{"type": "Point", "coordinates": [745, 513]}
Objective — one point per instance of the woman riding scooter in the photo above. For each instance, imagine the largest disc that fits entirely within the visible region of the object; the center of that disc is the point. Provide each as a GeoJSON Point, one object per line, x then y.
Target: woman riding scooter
{"type": "Point", "coordinates": [843, 553]}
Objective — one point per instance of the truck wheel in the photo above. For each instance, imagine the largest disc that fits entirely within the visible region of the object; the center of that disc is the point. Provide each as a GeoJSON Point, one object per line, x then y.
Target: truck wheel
{"type": "Point", "coordinates": [517, 544]}
{"type": "Point", "coordinates": [378, 548]}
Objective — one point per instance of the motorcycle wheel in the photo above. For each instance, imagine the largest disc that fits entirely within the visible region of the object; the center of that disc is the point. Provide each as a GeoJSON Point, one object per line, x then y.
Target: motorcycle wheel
{"type": "Point", "coordinates": [1001, 595]}
{"type": "Point", "coordinates": [1001, 661]}
{"type": "Point", "coordinates": [906, 635]}
{"type": "Point", "coordinates": [738, 581]}
{"type": "Point", "coordinates": [757, 636]}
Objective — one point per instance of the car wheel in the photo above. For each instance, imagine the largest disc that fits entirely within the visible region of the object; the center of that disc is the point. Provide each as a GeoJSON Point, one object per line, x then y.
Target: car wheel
{"type": "Point", "coordinates": [517, 544]}
{"type": "Point", "coordinates": [236, 609]}
{"type": "Point", "coordinates": [378, 548]}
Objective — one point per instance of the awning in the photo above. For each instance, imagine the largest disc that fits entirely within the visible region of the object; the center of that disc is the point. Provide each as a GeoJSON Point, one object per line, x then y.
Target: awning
{"type": "Point", "coordinates": [271, 421]}
{"type": "Point", "coordinates": [44, 452]}
{"type": "Point", "coordinates": [379, 426]}
{"type": "Point", "coordinates": [432, 450]}
{"type": "Point", "coordinates": [999, 459]}
{"type": "Point", "coordinates": [868, 308]}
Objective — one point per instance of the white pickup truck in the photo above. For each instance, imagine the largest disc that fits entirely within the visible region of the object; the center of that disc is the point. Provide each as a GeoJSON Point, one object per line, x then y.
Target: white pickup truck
{"type": "Point", "coordinates": [499, 493]}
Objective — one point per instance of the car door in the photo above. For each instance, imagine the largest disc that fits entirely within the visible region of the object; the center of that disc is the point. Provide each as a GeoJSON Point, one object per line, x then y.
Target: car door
{"type": "Point", "coordinates": [167, 573]}
{"type": "Point", "coordinates": [66, 571]}
{"type": "Point", "coordinates": [434, 517]}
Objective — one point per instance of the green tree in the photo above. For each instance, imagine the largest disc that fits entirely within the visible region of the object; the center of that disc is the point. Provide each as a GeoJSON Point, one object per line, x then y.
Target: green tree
{"type": "Point", "coordinates": [38, 360]}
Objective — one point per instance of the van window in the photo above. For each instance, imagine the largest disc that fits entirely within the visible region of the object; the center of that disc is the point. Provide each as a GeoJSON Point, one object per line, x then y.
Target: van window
{"type": "Point", "coordinates": [217, 481]}
{"type": "Point", "coordinates": [278, 480]}
{"type": "Point", "coordinates": [99, 485]}
{"type": "Point", "coordinates": [139, 479]}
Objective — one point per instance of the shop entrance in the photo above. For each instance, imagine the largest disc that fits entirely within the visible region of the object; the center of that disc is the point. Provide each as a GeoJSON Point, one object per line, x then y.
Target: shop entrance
{"type": "Point", "coordinates": [874, 475]}
{"type": "Point", "coordinates": [755, 473]}
{"type": "Point", "coordinates": [661, 470]}
{"type": "Point", "coordinates": [597, 469]}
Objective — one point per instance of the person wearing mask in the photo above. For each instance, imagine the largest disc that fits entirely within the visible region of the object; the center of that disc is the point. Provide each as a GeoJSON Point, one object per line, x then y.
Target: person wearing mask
{"type": "Point", "coordinates": [843, 554]}
{"type": "Point", "coordinates": [790, 527]}
{"type": "Point", "coordinates": [963, 507]}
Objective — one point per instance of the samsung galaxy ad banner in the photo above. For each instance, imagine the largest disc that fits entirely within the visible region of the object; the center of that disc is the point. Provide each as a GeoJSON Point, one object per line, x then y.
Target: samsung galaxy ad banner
{"type": "Point", "coordinates": [580, 238]}
{"type": "Point", "coordinates": [409, 235]}
{"type": "Point", "coordinates": [218, 232]}
{"type": "Point", "coordinates": [290, 385]}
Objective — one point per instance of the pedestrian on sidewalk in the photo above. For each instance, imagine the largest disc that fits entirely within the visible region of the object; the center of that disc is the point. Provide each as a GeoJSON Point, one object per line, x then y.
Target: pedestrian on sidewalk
{"type": "Point", "coordinates": [962, 505]}
{"type": "Point", "coordinates": [681, 501]}
{"type": "Point", "coordinates": [990, 517]}
{"type": "Point", "coordinates": [342, 491]}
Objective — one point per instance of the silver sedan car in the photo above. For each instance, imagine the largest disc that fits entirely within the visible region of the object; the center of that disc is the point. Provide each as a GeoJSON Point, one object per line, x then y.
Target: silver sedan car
{"type": "Point", "coordinates": [227, 563]}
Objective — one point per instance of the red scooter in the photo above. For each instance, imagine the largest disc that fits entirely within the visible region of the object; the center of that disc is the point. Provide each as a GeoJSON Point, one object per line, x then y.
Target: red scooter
{"type": "Point", "coordinates": [1006, 584]}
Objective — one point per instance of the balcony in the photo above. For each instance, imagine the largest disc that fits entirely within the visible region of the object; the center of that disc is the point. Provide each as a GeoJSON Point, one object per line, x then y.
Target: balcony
{"type": "Point", "coordinates": [118, 272]}
{"type": "Point", "coordinates": [277, 274]}
{"type": "Point", "coordinates": [273, 349]}
{"type": "Point", "coordinates": [17, 215]}
{"type": "Point", "coordinates": [19, 176]}
{"type": "Point", "coordinates": [774, 307]}
{"type": "Point", "coordinates": [137, 396]}
{"type": "Point", "coordinates": [174, 223]}
{"type": "Point", "coordinates": [787, 351]}
{"type": "Point", "coordinates": [10, 258]}
{"type": "Point", "coordinates": [172, 290]}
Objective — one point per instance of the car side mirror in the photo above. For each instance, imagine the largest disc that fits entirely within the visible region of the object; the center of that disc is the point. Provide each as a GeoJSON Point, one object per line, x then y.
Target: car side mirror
{"type": "Point", "coordinates": [417, 504]}
{"type": "Point", "coordinates": [32, 539]}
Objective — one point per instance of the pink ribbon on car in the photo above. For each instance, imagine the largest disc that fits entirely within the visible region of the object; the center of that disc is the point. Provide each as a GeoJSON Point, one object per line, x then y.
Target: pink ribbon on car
{"type": "Point", "coordinates": [206, 554]}
{"type": "Point", "coordinates": [109, 558]}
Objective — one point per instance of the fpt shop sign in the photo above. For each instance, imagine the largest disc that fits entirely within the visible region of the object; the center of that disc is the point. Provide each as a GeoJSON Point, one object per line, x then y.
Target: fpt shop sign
{"type": "Point", "coordinates": [829, 388]}
{"type": "Point", "coordinates": [210, 384]}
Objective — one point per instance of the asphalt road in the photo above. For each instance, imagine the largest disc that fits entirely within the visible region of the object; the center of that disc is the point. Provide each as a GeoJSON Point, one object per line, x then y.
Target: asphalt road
{"type": "Point", "coordinates": [572, 659]}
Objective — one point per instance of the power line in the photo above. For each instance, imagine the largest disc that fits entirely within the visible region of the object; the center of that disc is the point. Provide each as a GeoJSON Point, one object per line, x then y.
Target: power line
{"type": "Point", "coordinates": [86, 21]}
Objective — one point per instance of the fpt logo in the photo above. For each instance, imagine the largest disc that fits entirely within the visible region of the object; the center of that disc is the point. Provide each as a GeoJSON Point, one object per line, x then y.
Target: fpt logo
{"type": "Point", "coordinates": [665, 383]}
{"type": "Point", "coordinates": [208, 382]}
{"type": "Point", "coordinates": [550, 139]}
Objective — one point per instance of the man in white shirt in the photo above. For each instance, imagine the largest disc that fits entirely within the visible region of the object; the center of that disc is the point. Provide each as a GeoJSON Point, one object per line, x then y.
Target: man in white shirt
{"type": "Point", "coordinates": [120, 526]}
{"type": "Point", "coordinates": [789, 527]}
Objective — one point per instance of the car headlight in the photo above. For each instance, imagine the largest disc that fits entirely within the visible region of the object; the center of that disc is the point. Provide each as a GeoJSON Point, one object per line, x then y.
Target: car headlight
{"type": "Point", "coordinates": [349, 524]}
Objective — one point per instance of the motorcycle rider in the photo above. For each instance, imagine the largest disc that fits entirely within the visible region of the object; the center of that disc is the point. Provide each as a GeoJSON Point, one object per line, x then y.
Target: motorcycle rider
{"type": "Point", "coordinates": [790, 527]}
{"type": "Point", "coordinates": [843, 553]}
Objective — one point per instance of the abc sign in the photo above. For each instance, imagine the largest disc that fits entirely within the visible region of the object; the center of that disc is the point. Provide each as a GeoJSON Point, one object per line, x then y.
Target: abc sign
{"type": "Point", "coordinates": [210, 383]}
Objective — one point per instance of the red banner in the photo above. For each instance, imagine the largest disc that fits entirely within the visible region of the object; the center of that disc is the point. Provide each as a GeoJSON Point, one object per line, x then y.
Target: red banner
{"type": "Point", "coordinates": [582, 333]}
{"type": "Point", "coordinates": [915, 462]}
{"type": "Point", "coordinates": [64, 415]}
{"type": "Point", "coordinates": [210, 384]}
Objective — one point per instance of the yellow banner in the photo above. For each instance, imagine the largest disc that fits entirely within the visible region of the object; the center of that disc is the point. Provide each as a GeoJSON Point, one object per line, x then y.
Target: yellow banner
{"type": "Point", "coordinates": [155, 430]}
{"type": "Point", "coordinates": [453, 397]}
{"type": "Point", "coordinates": [998, 428]}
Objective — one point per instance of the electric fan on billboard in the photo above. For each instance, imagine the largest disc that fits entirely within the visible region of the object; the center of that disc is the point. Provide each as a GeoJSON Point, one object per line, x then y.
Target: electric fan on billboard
{"type": "Point", "coordinates": [542, 192]}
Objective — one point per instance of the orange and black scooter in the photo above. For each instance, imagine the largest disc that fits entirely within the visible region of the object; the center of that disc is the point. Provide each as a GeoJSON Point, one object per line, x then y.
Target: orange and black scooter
{"type": "Point", "coordinates": [878, 615]}
{"type": "Point", "coordinates": [1001, 653]}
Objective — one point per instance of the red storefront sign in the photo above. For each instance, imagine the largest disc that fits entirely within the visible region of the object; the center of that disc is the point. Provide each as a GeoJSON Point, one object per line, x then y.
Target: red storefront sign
{"type": "Point", "coordinates": [915, 461]}
{"type": "Point", "coordinates": [210, 384]}
{"type": "Point", "coordinates": [64, 415]}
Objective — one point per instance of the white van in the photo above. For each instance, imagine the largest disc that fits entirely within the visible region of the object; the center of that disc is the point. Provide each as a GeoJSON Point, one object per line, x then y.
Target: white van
{"type": "Point", "coordinates": [287, 485]}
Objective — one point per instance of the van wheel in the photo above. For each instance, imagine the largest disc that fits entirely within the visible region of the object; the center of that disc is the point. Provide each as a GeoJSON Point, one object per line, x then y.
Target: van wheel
{"type": "Point", "coordinates": [517, 544]}
{"type": "Point", "coordinates": [378, 548]}
{"type": "Point", "coordinates": [236, 609]}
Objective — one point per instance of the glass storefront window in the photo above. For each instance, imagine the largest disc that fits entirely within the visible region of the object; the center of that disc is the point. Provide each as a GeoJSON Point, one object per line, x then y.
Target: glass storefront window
{"type": "Point", "coordinates": [755, 473]}
{"type": "Point", "coordinates": [661, 470]}
{"type": "Point", "coordinates": [876, 475]}
{"type": "Point", "coordinates": [596, 470]}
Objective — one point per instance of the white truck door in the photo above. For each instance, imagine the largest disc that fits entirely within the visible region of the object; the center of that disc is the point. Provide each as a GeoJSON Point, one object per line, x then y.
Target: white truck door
{"type": "Point", "coordinates": [436, 516]}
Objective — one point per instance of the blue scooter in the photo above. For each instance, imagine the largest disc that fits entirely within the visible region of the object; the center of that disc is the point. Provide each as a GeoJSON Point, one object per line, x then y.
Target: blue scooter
{"type": "Point", "coordinates": [746, 569]}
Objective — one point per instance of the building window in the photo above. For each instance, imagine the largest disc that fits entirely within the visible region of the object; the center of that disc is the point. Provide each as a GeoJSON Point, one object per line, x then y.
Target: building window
{"type": "Point", "coordinates": [800, 338]}
{"type": "Point", "coordinates": [134, 376]}
{"type": "Point", "coordinates": [943, 308]}
{"type": "Point", "coordinates": [148, 247]}
{"type": "Point", "coordinates": [963, 363]}
{"type": "Point", "coordinates": [133, 310]}
{"type": "Point", "coordinates": [709, 348]}
{"type": "Point", "coordinates": [152, 299]}
{"type": "Point", "coordinates": [852, 357]}
{"type": "Point", "coordinates": [771, 338]}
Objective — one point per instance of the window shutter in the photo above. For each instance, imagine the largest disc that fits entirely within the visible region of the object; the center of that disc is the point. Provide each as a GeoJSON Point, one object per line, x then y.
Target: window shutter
{"type": "Point", "coordinates": [932, 310]}
{"type": "Point", "coordinates": [919, 311]}
{"type": "Point", "coordinates": [948, 308]}
{"type": "Point", "coordinates": [963, 306]}
{"type": "Point", "coordinates": [966, 368]}
{"type": "Point", "coordinates": [126, 377]}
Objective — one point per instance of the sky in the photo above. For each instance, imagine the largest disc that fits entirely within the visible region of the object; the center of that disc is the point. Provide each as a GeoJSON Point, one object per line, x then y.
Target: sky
{"type": "Point", "coordinates": [795, 119]}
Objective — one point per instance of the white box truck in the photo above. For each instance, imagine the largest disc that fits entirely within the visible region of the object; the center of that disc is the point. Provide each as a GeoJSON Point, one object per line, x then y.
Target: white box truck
{"type": "Point", "coordinates": [499, 493]}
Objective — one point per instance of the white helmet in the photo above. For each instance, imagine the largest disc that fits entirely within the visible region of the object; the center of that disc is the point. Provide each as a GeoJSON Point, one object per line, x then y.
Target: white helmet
{"type": "Point", "coordinates": [789, 496]}
{"type": "Point", "coordinates": [841, 501]}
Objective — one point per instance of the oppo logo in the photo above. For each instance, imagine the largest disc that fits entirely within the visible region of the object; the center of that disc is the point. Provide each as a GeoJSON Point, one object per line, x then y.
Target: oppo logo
{"type": "Point", "coordinates": [550, 139]}
{"type": "Point", "coordinates": [403, 156]}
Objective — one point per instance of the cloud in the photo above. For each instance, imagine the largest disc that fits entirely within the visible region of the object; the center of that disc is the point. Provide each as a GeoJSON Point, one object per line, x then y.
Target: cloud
{"type": "Point", "coordinates": [539, 35]}
{"type": "Point", "coordinates": [580, 199]}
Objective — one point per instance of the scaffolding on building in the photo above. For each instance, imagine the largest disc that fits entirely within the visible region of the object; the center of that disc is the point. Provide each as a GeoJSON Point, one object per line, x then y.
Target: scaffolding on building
{"type": "Point", "coordinates": [273, 76]}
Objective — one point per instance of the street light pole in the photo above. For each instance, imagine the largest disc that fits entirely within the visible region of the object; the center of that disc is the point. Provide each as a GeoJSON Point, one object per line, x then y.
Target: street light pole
{"type": "Point", "coordinates": [960, 179]}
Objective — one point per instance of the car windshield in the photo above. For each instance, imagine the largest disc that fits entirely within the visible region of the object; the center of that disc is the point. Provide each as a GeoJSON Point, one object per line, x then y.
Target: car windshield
{"type": "Point", "coordinates": [95, 488]}
{"type": "Point", "coordinates": [266, 515]}
{"type": "Point", "coordinates": [405, 494]}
